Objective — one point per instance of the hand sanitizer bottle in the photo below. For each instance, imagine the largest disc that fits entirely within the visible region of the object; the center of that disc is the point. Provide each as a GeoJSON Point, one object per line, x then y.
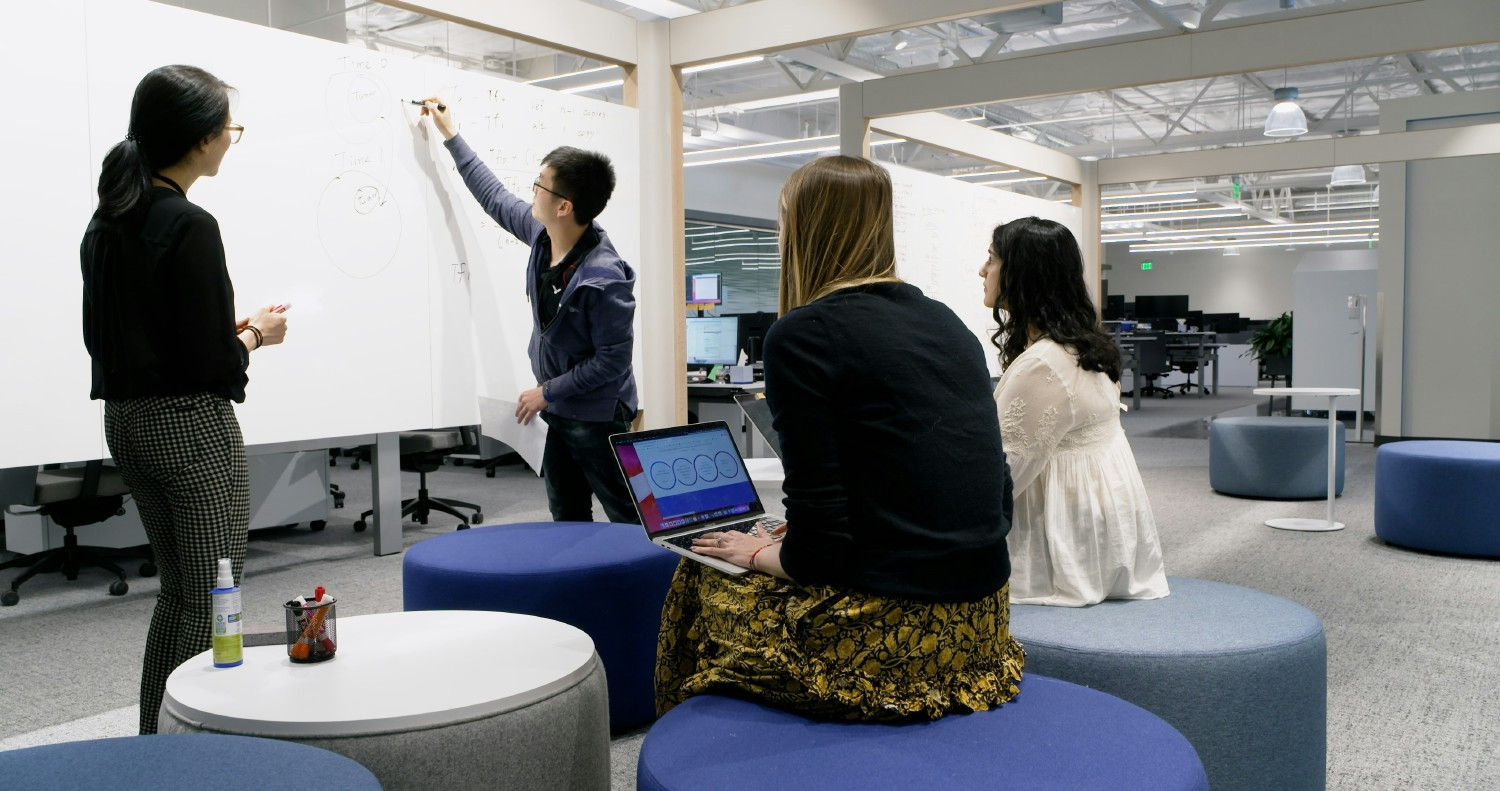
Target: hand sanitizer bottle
{"type": "Point", "coordinates": [229, 648]}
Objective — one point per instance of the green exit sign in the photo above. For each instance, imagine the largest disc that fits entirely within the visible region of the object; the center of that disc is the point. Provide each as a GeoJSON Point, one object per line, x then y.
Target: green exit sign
{"type": "Point", "coordinates": [1145, 266]}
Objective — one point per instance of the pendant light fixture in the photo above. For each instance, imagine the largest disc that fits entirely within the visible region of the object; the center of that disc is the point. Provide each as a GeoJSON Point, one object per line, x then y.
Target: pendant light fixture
{"type": "Point", "coordinates": [1286, 119]}
{"type": "Point", "coordinates": [1347, 176]}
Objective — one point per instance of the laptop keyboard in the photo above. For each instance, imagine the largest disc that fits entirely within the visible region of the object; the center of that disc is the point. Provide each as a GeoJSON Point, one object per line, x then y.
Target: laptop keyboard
{"type": "Point", "coordinates": [766, 524]}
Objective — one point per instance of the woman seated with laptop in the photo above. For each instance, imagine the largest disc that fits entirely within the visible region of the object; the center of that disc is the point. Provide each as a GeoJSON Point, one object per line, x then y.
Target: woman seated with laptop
{"type": "Point", "coordinates": [885, 596]}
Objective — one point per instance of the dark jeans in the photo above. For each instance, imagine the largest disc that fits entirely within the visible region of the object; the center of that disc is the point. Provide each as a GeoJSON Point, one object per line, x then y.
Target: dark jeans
{"type": "Point", "coordinates": [578, 465]}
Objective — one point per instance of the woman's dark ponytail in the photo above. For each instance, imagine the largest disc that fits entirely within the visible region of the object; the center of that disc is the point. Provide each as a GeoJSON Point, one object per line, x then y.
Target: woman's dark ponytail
{"type": "Point", "coordinates": [174, 110]}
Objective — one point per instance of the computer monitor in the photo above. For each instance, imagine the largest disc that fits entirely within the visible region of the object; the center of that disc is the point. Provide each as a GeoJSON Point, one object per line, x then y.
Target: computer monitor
{"type": "Point", "coordinates": [1222, 322]}
{"type": "Point", "coordinates": [713, 341]}
{"type": "Point", "coordinates": [1114, 307]}
{"type": "Point", "coordinates": [705, 289]}
{"type": "Point", "coordinates": [1170, 306]}
{"type": "Point", "coordinates": [752, 333]}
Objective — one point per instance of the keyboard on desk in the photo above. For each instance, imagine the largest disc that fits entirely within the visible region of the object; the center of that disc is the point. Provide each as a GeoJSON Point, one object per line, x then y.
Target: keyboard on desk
{"type": "Point", "coordinates": [765, 524]}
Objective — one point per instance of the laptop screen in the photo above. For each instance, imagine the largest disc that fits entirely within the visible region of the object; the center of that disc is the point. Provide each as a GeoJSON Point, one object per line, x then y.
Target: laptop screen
{"type": "Point", "coordinates": [685, 476]}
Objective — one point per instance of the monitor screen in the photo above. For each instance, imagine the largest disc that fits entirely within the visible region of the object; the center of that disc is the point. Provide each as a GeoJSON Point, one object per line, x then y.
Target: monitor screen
{"type": "Point", "coordinates": [752, 333]}
{"type": "Point", "coordinates": [713, 341]}
{"type": "Point", "coordinates": [1171, 306]}
{"type": "Point", "coordinates": [704, 289]}
{"type": "Point", "coordinates": [685, 476]}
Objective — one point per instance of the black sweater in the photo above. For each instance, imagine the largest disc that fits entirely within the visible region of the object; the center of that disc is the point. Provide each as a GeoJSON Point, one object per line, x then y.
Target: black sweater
{"type": "Point", "coordinates": [158, 307]}
{"type": "Point", "coordinates": [896, 483]}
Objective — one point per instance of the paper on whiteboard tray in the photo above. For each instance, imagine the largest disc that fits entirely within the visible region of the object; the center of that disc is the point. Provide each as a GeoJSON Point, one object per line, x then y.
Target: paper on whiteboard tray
{"type": "Point", "coordinates": [497, 420]}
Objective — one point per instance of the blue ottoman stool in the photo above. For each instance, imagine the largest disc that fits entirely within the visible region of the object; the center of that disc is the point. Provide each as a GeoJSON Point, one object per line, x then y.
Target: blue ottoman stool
{"type": "Point", "coordinates": [1054, 735]}
{"type": "Point", "coordinates": [601, 577]}
{"type": "Point", "coordinates": [183, 761]}
{"type": "Point", "coordinates": [1241, 673]}
{"type": "Point", "coordinates": [1439, 495]}
{"type": "Point", "coordinates": [1278, 458]}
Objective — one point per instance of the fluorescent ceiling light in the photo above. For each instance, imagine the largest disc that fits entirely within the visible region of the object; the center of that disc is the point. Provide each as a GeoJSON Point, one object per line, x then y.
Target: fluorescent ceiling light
{"type": "Point", "coordinates": [985, 173]}
{"type": "Point", "coordinates": [1152, 202]}
{"type": "Point", "coordinates": [996, 182]}
{"type": "Point", "coordinates": [724, 64]}
{"type": "Point", "coordinates": [1286, 119]}
{"type": "Point", "coordinates": [773, 150]}
{"type": "Point", "coordinates": [1211, 233]}
{"type": "Point", "coordinates": [1291, 241]}
{"type": "Point", "coordinates": [1320, 225]}
{"type": "Point", "coordinates": [1231, 251]}
{"type": "Point", "coordinates": [663, 8]}
{"type": "Point", "coordinates": [1175, 214]}
{"type": "Point", "coordinates": [769, 102]}
{"type": "Point", "coordinates": [901, 41]}
{"type": "Point", "coordinates": [556, 77]}
{"type": "Point", "coordinates": [594, 86]}
{"type": "Point", "coordinates": [1140, 195]}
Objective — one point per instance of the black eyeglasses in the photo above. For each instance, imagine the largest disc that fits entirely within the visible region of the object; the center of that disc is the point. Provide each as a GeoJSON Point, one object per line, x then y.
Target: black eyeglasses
{"type": "Point", "coordinates": [236, 131]}
{"type": "Point", "coordinates": [537, 185]}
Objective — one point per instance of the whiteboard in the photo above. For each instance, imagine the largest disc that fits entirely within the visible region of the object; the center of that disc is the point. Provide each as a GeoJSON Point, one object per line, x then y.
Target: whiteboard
{"type": "Point", "coordinates": [943, 234]}
{"type": "Point", "coordinates": [407, 302]}
{"type": "Point", "coordinates": [46, 372]}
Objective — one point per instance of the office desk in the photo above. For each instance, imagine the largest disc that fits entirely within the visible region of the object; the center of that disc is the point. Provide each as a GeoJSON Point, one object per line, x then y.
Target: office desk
{"type": "Point", "coordinates": [715, 401]}
{"type": "Point", "coordinates": [1128, 359]}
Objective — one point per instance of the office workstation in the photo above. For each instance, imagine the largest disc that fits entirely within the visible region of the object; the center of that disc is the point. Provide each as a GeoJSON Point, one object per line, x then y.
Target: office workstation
{"type": "Point", "coordinates": [409, 314]}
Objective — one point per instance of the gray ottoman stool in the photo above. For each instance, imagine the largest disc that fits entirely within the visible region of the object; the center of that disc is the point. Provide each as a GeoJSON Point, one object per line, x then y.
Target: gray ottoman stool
{"type": "Point", "coordinates": [1241, 673]}
{"type": "Point", "coordinates": [1280, 458]}
{"type": "Point", "coordinates": [447, 699]}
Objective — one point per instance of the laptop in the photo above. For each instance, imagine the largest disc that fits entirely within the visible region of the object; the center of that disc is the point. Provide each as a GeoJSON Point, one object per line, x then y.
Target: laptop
{"type": "Point", "coordinates": [689, 480]}
{"type": "Point", "coordinates": [756, 408]}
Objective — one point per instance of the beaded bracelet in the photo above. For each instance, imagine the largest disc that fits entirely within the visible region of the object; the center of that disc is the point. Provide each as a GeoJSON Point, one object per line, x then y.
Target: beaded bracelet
{"type": "Point", "coordinates": [260, 340]}
{"type": "Point", "coordinates": [753, 554]}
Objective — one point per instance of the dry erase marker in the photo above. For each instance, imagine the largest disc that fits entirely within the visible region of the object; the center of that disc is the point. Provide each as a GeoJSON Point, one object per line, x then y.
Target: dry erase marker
{"type": "Point", "coordinates": [282, 308]}
{"type": "Point", "coordinates": [440, 105]}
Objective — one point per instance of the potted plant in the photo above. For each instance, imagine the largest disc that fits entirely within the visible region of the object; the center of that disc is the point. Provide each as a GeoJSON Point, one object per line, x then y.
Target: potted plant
{"type": "Point", "coordinates": [1272, 345]}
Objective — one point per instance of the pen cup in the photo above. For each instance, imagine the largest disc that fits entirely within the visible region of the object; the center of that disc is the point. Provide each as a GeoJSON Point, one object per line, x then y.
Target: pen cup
{"type": "Point", "coordinates": [311, 631]}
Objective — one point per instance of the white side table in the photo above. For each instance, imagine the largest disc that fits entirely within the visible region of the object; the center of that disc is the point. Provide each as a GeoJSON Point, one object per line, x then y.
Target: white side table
{"type": "Point", "coordinates": [1299, 523]}
{"type": "Point", "coordinates": [410, 694]}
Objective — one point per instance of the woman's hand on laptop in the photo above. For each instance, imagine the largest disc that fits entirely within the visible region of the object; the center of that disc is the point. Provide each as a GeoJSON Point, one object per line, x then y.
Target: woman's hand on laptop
{"type": "Point", "coordinates": [731, 545]}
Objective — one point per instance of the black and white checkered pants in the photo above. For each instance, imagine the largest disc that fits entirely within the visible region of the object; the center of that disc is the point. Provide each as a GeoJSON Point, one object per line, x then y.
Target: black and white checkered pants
{"type": "Point", "coordinates": [184, 460]}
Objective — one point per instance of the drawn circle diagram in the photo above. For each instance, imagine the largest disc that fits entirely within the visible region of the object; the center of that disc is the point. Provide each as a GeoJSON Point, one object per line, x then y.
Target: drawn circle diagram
{"type": "Point", "coordinates": [728, 466]}
{"type": "Point", "coordinates": [356, 106]}
{"type": "Point", "coordinates": [706, 469]}
{"type": "Point", "coordinates": [686, 475]}
{"type": "Point", "coordinates": [359, 224]}
{"type": "Point", "coordinates": [662, 476]}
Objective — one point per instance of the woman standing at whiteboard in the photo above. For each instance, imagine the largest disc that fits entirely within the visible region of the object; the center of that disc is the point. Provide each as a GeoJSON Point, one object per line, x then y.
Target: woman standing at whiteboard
{"type": "Point", "coordinates": [1083, 529]}
{"type": "Point", "coordinates": [169, 356]}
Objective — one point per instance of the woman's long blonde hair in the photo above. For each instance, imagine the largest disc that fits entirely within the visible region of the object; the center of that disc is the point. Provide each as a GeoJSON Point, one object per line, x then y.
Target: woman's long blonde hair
{"type": "Point", "coordinates": [837, 229]}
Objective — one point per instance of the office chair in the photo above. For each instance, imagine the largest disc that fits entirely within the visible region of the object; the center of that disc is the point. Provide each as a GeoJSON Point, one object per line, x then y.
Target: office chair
{"type": "Point", "coordinates": [1189, 366]}
{"type": "Point", "coordinates": [72, 498]}
{"type": "Point", "coordinates": [1151, 355]}
{"type": "Point", "coordinates": [423, 452]}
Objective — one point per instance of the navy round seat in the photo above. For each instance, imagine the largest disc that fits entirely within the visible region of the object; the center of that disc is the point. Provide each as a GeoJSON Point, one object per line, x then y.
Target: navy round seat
{"type": "Point", "coordinates": [1241, 673]}
{"type": "Point", "coordinates": [1439, 496]}
{"type": "Point", "coordinates": [183, 761]}
{"type": "Point", "coordinates": [1277, 458]}
{"type": "Point", "coordinates": [601, 577]}
{"type": "Point", "coordinates": [1054, 735]}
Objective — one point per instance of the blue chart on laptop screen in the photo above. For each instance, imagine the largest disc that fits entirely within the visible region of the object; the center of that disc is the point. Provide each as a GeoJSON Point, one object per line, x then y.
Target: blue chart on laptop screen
{"type": "Point", "coordinates": [683, 480]}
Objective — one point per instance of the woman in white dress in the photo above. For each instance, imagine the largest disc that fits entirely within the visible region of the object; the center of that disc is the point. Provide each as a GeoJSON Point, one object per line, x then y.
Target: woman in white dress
{"type": "Point", "coordinates": [1082, 530]}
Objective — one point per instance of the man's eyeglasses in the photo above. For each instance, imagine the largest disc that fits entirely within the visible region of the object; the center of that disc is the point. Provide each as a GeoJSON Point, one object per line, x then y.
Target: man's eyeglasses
{"type": "Point", "coordinates": [537, 185]}
{"type": "Point", "coordinates": [236, 131]}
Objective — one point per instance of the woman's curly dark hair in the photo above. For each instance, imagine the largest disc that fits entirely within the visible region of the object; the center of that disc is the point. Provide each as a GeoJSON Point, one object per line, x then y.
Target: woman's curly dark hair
{"type": "Point", "coordinates": [1041, 286]}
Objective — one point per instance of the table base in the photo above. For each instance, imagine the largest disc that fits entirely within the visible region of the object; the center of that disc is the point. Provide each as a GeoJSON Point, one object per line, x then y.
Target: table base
{"type": "Point", "coordinates": [1305, 525]}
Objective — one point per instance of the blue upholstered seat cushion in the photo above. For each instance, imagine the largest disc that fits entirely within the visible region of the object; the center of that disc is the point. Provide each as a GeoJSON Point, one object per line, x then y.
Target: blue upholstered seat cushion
{"type": "Point", "coordinates": [1054, 735]}
{"type": "Point", "coordinates": [601, 577]}
{"type": "Point", "coordinates": [182, 761]}
{"type": "Point", "coordinates": [1439, 495]}
{"type": "Point", "coordinates": [1272, 457]}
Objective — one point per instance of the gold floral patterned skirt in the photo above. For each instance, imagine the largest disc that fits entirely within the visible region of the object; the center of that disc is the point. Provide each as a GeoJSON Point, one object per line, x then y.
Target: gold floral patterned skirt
{"type": "Point", "coordinates": [832, 653]}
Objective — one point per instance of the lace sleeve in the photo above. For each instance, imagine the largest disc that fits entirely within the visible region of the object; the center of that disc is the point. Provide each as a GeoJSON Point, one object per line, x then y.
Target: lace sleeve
{"type": "Point", "coordinates": [1036, 412]}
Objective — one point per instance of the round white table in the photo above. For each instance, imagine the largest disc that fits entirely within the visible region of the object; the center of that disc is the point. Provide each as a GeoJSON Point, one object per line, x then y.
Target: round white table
{"type": "Point", "coordinates": [405, 685]}
{"type": "Point", "coordinates": [1302, 523]}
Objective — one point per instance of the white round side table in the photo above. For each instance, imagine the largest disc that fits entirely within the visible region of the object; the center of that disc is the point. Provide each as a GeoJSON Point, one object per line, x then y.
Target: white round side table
{"type": "Point", "coordinates": [1302, 523]}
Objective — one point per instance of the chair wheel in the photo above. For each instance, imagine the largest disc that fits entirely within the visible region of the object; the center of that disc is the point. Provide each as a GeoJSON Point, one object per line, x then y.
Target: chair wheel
{"type": "Point", "coordinates": [148, 569]}
{"type": "Point", "coordinates": [478, 517]}
{"type": "Point", "coordinates": [118, 588]}
{"type": "Point", "coordinates": [317, 525]}
{"type": "Point", "coordinates": [463, 525]}
{"type": "Point", "coordinates": [489, 472]}
{"type": "Point", "coordinates": [9, 599]}
{"type": "Point", "coordinates": [355, 465]}
{"type": "Point", "coordinates": [359, 527]}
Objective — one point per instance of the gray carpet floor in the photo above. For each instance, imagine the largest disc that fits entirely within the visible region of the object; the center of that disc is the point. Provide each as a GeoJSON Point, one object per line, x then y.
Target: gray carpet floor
{"type": "Point", "coordinates": [1413, 642]}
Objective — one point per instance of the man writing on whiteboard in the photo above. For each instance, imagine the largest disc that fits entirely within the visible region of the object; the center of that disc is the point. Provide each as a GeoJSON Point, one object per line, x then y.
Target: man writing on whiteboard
{"type": "Point", "coordinates": [582, 309]}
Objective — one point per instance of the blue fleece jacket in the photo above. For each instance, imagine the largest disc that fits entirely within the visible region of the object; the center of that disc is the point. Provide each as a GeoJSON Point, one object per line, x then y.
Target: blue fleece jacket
{"type": "Point", "coordinates": [584, 355]}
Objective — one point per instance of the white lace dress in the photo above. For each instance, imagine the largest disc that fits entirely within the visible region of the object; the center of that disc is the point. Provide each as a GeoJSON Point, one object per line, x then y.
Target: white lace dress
{"type": "Point", "coordinates": [1082, 530]}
